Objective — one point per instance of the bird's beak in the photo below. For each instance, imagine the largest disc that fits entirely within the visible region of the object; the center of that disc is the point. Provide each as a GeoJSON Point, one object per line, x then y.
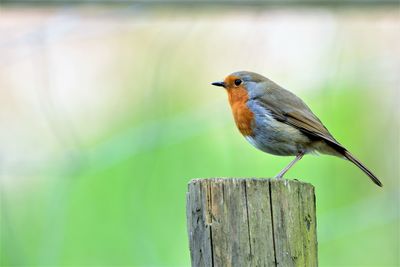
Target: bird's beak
{"type": "Point", "coordinates": [222, 84]}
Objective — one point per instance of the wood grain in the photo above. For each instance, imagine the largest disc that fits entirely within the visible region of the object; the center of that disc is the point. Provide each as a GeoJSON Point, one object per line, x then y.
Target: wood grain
{"type": "Point", "coordinates": [251, 222]}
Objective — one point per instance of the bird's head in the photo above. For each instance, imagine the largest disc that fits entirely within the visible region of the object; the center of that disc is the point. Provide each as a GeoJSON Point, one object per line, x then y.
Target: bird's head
{"type": "Point", "coordinates": [244, 82]}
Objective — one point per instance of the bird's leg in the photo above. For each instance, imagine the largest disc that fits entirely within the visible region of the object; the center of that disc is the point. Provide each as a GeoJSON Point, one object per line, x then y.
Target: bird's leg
{"type": "Point", "coordinates": [282, 173]}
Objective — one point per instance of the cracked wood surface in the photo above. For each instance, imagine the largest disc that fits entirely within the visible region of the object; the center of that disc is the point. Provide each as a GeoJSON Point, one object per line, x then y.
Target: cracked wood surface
{"type": "Point", "coordinates": [251, 222]}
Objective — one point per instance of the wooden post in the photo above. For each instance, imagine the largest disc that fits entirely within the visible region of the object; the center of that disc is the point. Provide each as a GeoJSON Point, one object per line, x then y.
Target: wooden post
{"type": "Point", "coordinates": [251, 222]}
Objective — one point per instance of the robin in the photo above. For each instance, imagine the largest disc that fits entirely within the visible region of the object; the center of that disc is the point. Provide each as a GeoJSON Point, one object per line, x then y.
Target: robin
{"type": "Point", "coordinates": [278, 122]}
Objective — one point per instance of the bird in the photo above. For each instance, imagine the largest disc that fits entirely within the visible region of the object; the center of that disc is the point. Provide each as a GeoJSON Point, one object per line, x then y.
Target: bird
{"type": "Point", "coordinates": [276, 121]}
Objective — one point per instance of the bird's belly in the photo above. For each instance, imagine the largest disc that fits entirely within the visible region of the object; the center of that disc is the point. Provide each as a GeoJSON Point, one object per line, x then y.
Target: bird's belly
{"type": "Point", "coordinates": [274, 137]}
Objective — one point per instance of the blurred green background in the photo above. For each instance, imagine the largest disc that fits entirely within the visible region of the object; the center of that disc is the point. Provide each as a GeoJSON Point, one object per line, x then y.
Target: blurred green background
{"type": "Point", "coordinates": [106, 113]}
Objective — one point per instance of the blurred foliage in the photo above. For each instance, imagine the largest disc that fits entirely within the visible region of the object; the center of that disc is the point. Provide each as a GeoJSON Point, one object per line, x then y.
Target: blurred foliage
{"type": "Point", "coordinates": [108, 115]}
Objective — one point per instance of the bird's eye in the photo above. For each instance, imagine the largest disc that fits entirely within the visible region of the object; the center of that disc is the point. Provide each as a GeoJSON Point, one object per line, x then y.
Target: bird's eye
{"type": "Point", "coordinates": [238, 82]}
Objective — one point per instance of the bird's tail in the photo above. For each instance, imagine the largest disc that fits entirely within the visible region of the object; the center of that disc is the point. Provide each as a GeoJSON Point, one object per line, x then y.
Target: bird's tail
{"type": "Point", "coordinates": [362, 167]}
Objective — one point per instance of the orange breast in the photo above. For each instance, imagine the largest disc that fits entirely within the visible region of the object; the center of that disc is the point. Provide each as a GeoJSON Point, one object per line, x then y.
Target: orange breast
{"type": "Point", "coordinates": [242, 114]}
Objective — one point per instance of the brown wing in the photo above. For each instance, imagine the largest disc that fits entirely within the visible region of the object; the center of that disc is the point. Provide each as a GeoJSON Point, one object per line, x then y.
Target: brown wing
{"type": "Point", "coordinates": [288, 108]}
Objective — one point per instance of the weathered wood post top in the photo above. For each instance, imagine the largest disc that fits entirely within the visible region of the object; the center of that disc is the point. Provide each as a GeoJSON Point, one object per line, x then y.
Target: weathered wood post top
{"type": "Point", "coordinates": [251, 222]}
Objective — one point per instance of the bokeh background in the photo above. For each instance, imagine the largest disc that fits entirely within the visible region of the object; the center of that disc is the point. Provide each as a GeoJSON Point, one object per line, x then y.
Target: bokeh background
{"type": "Point", "coordinates": [106, 113]}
